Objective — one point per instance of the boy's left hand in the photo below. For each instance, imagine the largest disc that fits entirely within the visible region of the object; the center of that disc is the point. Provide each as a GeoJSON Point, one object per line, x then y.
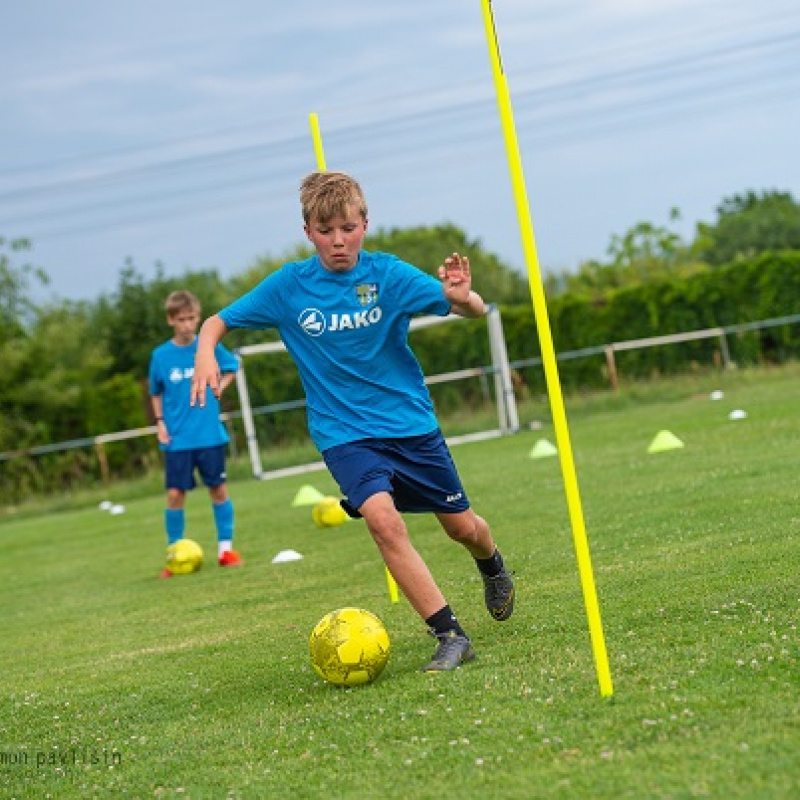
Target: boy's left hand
{"type": "Point", "coordinates": [456, 278]}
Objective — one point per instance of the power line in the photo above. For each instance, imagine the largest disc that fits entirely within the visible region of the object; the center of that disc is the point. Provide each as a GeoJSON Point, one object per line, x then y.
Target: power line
{"type": "Point", "coordinates": [683, 64]}
{"type": "Point", "coordinates": [474, 121]}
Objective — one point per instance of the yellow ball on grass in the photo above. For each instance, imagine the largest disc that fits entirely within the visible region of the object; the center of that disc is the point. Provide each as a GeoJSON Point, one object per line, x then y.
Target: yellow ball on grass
{"type": "Point", "coordinates": [184, 557]}
{"type": "Point", "coordinates": [328, 513]}
{"type": "Point", "coordinates": [349, 646]}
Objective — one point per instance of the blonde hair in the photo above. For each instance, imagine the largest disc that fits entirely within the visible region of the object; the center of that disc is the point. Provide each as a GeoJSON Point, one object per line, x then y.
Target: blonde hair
{"type": "Point", "coordinates": [325, 195]}
{"type": "Point", "coordinates": [180, 301]}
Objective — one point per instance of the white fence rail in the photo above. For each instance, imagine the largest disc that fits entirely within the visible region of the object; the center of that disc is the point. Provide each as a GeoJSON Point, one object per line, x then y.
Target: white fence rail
{"type": "Point", "coordinates": [607, 350]}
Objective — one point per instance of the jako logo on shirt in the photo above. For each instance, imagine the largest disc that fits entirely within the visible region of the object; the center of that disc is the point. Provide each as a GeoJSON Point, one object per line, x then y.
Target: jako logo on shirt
{"type": "Point", "coordinates": [176, 374]}
{"type": "Point", "coordinates": [314, 323]}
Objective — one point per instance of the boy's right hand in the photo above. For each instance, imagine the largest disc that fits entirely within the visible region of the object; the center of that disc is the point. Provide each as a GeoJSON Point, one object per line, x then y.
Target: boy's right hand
{"type": "Point", "coordinates": [206, 375]}
{"type": "Point", "coordinates": [206, 370]}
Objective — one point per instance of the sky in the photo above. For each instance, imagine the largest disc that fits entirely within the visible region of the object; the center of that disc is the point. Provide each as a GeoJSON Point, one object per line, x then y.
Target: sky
{"type": "Point", "coordinates": [176, 132]}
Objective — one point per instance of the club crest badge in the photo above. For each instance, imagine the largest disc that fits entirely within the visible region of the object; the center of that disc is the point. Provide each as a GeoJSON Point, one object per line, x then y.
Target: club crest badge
{"type": "Point", "coordinates": [367, 294]}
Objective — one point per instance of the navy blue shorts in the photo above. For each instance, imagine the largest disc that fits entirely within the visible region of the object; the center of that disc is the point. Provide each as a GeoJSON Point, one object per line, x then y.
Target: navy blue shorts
{"type": "Point", "coordinates": [181, 464]}
{"type": "Point", "coordinates": [418, 471]}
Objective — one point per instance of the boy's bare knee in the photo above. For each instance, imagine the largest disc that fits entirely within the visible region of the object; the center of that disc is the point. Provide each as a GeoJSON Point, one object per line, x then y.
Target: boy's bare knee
{"type": "Point", "coordinates": [388, 530]}
{"type": "Point", "coordinates": [462, 528]}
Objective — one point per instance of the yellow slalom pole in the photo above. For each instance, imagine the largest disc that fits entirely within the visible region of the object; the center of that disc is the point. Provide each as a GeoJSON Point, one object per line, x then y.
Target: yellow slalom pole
{"type": "Point", "coordinates": [319, 152]}
{"type": "Point", "coordinates": [316, 138]}
{"type": "Point", "coordinates": [549, 359]}
{"type": "Point", "coordinates": [394, 594]}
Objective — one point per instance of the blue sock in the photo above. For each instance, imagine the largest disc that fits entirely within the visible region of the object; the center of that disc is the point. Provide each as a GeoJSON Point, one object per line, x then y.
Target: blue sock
{"type": "Point", "coordinates": [174, 521]}
{"type": "Point", "coordinates": [223, 519]}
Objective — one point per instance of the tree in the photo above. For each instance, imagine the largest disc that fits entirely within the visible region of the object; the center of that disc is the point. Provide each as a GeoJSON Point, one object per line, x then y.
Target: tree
{"type": "Point", "coordinates": [16, 307]}
{"type": "Point", "coordinates": [132, 321]}
{"type": "Point", "coordinates": [749, 224]}
{"type": "Point", "coordinates": [643, 254]}
{"type": "Point", "coordinates": [427, 247]}
{"type": "Point", "coordinates": [18, 316]}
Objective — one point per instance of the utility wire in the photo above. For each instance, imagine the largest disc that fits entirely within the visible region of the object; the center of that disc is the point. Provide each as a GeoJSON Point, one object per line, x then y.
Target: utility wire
{"type": "Point", "coordinates": [429, 134]}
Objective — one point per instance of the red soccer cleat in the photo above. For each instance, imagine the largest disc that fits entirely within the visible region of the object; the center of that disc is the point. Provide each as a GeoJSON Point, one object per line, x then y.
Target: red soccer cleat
{"type": "Point", "coordinates": [230, 558]}
{"type": "Point", "coordinates": [165, 573]}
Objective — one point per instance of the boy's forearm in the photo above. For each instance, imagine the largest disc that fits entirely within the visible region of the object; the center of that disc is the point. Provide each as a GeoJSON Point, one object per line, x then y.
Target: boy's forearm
{"type": "Point", "coordinates": [206, 371]}
{"type": "Point", "coordinates": [211, 333]}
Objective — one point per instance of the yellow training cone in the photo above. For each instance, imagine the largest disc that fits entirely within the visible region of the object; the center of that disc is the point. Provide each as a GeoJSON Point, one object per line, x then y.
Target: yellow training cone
{"type": "Point", "coordinates": [307, 496]}
{"type": "Point", "coordinates": [664, 441]}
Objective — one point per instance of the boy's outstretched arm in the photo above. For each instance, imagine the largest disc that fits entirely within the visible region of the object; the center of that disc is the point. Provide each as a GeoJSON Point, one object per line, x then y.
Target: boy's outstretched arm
{"type": "Point", "coordinates": [457, 286]}
{"type": "Point", "coordinates": [206, 369]}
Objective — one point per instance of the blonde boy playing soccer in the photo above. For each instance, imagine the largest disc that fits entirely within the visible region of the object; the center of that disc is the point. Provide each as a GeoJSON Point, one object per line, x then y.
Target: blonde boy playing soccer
{"type": "Point", "coordinates": [344, 317]}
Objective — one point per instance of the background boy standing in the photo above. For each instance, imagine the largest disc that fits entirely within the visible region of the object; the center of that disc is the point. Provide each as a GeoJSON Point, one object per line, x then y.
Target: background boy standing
{"type": "Point", "coordinates": [344, 316]}
{"type": "Point", "coordinates": [192, 438]}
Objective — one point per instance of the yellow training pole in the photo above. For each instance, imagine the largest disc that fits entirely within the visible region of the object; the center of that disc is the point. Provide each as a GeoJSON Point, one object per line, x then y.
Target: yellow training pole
{"type": "Point", "coordinates": [394, 594]}
{"type": "Point", "coordinates": [316, 137]}
{"type": "Point", "coordinates": [548, 359]}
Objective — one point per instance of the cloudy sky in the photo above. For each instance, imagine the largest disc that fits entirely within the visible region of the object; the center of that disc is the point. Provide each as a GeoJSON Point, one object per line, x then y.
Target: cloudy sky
{"type": "Point", "coordinates": [177, 131]}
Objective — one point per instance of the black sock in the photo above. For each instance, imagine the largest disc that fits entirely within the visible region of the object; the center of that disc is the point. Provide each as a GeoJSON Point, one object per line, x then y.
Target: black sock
{"type": "Point", "coordinates": [491, 567]}
{"type": "Point", "coordinates": [444, 621]}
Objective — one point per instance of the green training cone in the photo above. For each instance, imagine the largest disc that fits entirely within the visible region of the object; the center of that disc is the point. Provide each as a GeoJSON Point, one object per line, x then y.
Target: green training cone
{"type": "Point", "coordinates": [307, 496]}
{"type": "Point", "coordinates": [543, 449]}
{"type": "Point", "coordinates": [664, 440]}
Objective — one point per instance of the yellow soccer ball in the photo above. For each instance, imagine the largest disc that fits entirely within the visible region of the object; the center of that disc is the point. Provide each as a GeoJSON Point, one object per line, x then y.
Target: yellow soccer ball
{"type": "Point", "coordinates": [349, 647]}
{"type": "Point", "coordinates": [328, 513]}
{"type": "Point", "coordinates": [184, 557]}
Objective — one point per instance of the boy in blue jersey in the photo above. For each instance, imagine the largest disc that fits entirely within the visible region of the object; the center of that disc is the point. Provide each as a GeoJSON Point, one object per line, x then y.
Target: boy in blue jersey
{"type": "Point", "coordinates": [344, 317]}
{"type": "Point", "coordinates": [191, 438]}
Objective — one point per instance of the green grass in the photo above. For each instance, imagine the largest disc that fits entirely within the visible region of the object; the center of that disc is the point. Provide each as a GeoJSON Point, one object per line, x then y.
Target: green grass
{"type": "Point", "coordinates": [200, 686]}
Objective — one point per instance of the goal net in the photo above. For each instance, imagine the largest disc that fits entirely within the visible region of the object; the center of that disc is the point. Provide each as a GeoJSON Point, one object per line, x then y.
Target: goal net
{"type": "Point", "coordinates": [499, 371]}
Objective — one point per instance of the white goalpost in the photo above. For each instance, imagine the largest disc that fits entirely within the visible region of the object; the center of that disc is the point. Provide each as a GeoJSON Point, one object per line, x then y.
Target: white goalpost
{"type": "Point", "coordinates": [507, 417]}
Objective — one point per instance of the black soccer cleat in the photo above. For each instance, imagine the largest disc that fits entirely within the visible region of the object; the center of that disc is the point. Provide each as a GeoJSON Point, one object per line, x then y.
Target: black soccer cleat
{"type": "Point", "coordinates": [498, 593]}
{"type": "Point", "coordinates": [452, 652]}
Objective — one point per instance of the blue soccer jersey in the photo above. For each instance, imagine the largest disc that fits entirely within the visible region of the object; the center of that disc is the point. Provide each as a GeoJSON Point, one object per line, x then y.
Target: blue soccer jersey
{"type": "Point", "coordinates": [171, 371]}
{"type": "Point", "coordinates": [347, 334]}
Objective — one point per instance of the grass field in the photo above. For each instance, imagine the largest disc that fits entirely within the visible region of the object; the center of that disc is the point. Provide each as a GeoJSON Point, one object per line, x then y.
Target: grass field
{"type": "Point", "coordinates": [115, 683]}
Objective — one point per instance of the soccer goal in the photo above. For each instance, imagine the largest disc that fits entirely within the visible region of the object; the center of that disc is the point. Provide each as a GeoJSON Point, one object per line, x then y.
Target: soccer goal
{"type": "Point", "coordinates": [507, 417]}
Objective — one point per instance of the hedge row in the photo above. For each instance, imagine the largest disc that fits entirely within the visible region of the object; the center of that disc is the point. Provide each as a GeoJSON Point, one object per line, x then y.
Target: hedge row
{"type": "Point", "coordinates": [763, 288]}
